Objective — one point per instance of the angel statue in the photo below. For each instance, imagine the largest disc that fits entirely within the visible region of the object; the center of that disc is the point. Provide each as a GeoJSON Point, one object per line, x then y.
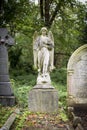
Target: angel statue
{"type": "Point", "coordinates": [43, 51]}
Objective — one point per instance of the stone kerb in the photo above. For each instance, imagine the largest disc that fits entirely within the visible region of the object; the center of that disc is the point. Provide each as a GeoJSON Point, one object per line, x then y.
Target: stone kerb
{"type": "Point", "coordinates": [77, 78]}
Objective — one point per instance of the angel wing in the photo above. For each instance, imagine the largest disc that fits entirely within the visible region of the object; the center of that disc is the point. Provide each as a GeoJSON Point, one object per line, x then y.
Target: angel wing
{"type": "Point", "coordinates": [50, 35]}
{"type": "Point", "coordinates": [35, 49]}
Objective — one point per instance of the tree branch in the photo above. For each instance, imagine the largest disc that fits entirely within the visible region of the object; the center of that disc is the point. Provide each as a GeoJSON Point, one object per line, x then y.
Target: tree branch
{"type": "Point", "coordinates": [57, 9]}
{"type": "Point", "coordinates": [54, 14]}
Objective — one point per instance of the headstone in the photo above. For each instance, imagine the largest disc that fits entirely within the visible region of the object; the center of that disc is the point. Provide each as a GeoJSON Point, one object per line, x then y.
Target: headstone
{"type": "Point", "coordinates": [43, 97]}
{"type": "Point", "coordinates": [77, 78]}
{"type": "Point", "coordinates": [6, 94]}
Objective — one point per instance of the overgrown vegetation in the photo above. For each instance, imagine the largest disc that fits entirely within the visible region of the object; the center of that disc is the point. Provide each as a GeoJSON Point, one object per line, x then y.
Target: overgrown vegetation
{"type": "Point", "coordinates": [22, 83]}
{"type": "Point", "coordinates": [5, 113]}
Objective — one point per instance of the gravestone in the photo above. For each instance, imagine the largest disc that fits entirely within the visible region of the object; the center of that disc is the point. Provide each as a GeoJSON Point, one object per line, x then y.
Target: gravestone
{"type": "Point", "coordinates": [6, 94]}
{"type": "Point", "coordinates": [77, 78]}
{"type": "Point", "coordinates": [43, 97]}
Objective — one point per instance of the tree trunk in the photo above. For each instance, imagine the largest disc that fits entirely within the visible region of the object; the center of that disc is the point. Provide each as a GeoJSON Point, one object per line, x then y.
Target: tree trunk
{"type": "Point", "coordinates": [1, 12]}
{"type": "Point", "coordinates": [41, 9]}
{"type": "Point", "coordinates": [47, 17]}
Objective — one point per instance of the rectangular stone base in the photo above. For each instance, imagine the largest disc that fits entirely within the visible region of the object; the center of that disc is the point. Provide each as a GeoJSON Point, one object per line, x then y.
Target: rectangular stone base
{"type": "Point", "coordinates": [7, 100]}
{"type": "Point", "coordinates": [43, 100]}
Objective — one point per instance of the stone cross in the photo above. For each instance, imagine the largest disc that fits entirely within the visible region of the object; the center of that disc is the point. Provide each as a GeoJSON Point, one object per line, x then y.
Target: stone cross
{"type": "Point", "coordinates": [5, 85]}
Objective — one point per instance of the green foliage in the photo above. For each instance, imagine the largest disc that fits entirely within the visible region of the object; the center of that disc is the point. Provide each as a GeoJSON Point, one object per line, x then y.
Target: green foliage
{"type": "Point", "coordinates": [63, 115]}
{"type": "Point", "coordinates": [4, 114]}
{"type": "Point", "coordinates": [59, 76]}
{"type": "Point", "coordinates": [62, 94]}
{"type": "Point", "coordinates": [66, 29]}
{"type": "Point", "coordinates": [21, 119]}
{"type": "Point", "coordinates": [21, 85]}
{"type": "Point", "coordinates": [83, 35]}
{"type": "Point", "coordinates": [21, 55]}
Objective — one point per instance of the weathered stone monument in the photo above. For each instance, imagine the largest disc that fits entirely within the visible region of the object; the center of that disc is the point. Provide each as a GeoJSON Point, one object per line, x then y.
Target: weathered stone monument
{"type": "Point", "coordinates": [43, 97]}
{"type": "Point", "coordinates": [6, 95]}
{"type": "Point", "coordinates": [77, 78]}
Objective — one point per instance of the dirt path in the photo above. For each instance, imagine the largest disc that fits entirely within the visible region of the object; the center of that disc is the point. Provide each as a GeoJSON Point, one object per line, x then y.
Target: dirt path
{"type": "Point", "coordinates": [44, 122]}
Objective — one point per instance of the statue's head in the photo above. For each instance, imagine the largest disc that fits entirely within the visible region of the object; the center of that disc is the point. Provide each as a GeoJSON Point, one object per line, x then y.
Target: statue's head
{"type": "Point", "coordinates": [44, 29]}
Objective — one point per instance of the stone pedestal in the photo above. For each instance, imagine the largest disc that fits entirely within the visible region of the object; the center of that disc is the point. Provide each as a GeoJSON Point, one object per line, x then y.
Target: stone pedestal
{"type": "Point", "coordinates": [43, 100]}
{"type": "Point", "coordinates": [7, 100]}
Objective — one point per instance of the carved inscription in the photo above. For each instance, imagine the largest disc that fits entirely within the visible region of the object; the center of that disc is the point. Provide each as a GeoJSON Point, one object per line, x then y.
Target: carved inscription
{"type": "Point", "coordinates": [82, 95]}
{"type": "Point", "coordinates": [80, 77]}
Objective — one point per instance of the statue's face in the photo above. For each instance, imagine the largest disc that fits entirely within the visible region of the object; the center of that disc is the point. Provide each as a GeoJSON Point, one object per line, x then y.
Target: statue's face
{"type": "Point", "coordinates": [44, 32]}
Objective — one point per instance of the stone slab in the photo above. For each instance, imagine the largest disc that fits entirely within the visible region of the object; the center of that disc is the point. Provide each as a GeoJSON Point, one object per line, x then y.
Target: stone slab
{"type": "Point", "coordinates": [7, 100]}
{"type": "Point", "coordinates": [43, 100]}
{"type": "Point", "coordinates": [42, 86]}
{"type": "Point", "coordinates": [77, 78]}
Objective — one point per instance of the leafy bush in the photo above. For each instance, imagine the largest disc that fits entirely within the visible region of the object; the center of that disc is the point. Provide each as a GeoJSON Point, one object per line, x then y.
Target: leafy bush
{"type": "Point", "coordinates": [21, 85]}
{"type": "Point", "coordinates": [4, 114]}
{"type": "Point", "coordinates": [59, 76]}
